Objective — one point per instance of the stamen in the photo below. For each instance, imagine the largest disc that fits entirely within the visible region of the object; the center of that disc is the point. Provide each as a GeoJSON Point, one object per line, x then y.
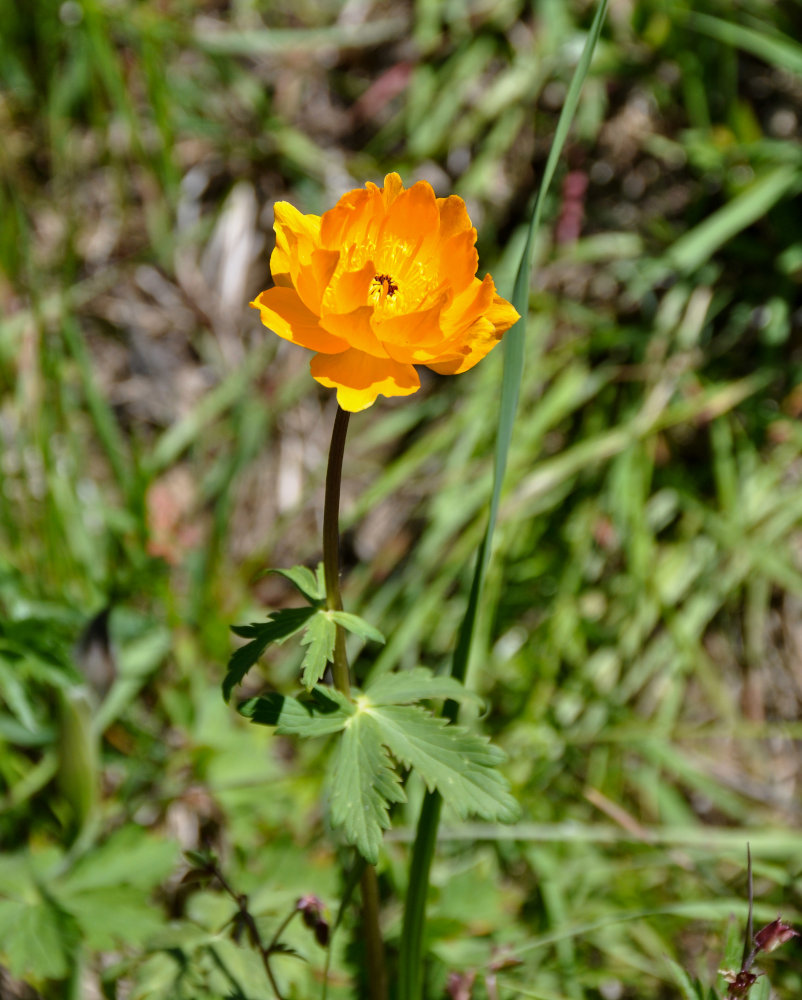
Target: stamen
{"type": "Point", "coordinates": [388, 286]}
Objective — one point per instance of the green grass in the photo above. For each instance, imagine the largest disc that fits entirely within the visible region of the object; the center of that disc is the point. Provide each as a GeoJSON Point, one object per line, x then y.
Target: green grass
{"type": "Point", "coordinates": [638, 642]}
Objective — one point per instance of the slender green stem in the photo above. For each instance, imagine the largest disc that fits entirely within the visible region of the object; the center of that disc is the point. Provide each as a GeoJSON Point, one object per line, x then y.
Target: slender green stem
{"type": "Point", "coordinates": [410, 973]}
{"type": "Point", "coordinates": [410, 978]}
{"type": "Point", "coordinates": [374, 946]}
{"type": "Point", "coordinates": [331, 544]}
{"type": "Point", "coordinates": [410, 957]}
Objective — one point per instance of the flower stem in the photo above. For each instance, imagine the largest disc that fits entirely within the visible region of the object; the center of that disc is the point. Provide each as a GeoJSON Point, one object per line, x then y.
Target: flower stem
{"type": "Point", "coordinates": [331, 544]}
{"type": "Point", "coordinates": [374, 946]}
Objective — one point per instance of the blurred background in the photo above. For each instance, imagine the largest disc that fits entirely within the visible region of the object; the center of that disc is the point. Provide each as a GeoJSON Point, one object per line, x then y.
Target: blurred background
{"type": "Point", "coordinates": [640, 645]}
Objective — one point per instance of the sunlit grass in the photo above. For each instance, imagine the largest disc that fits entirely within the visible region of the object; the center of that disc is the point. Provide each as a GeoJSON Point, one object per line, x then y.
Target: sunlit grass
{"type": "Point", "coordinates": [639, 642]}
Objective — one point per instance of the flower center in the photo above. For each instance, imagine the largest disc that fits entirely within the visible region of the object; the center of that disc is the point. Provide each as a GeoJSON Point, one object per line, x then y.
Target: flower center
{"type": "Point", "coordinates": [382, 287]}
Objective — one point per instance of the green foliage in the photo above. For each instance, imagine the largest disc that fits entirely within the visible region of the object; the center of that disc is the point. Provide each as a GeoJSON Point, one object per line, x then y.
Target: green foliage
{"type": "Point", "coordinates": [318, 637]}
{"type": "Point", "coordinates": [420, 863]}
{"type": "Point", "coordinates": [308, 584]}
{"type": "Point", "coordinates": [279, 626]}
{"type": "Point", "coordinates": [691, 990]}
{"type": "Point", "coordinates": [380, 722]}
{"type": "Point", "coordinates": [356, 625]}
{"type": "Point", "coordinates": [637, 642]}
{"type": "Point", "coordinates": [51, 908]}
{"type": "Point", "coordinates": [317, 625]}
{"type": "Point", "coordinates": [364, 784]}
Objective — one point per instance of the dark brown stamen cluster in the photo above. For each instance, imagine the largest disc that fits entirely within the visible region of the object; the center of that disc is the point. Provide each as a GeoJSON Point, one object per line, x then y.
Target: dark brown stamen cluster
{"type": "Point", "coordinates": [387, 283]}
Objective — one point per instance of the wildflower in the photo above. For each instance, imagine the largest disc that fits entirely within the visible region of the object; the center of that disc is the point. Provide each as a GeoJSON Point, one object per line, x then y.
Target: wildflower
{"type": "Point", "coordinates": [382, 282]}
{"type": "Point", "coordinates": [314, 916]}
{"type": "Point", "coordinates": [773, 935]}
{"type": "Point", "coordinates": [740, 983]}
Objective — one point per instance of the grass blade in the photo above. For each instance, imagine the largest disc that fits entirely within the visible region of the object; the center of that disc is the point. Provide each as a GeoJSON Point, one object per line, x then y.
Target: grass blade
{"type": "Point", "coordinates": [775, 49]}
{"type": "Point", "coordinates": [411, 957]}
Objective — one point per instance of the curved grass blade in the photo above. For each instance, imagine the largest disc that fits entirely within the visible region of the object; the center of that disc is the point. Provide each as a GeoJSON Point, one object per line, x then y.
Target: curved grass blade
{"type": "Point", "coordinates": [411, 957]}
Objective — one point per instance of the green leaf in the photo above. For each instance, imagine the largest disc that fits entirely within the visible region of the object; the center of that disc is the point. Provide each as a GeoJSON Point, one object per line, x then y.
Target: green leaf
{"type": "Point", "coordinates": [407, 686]}
{"type": "Point", "coordinates": [291, 716]}
{"type": "Point", "coordinates": [733, 948]}
{"type": "Point", "coordinates": [357, 625]}
{"type": "Point", "coordinates": [364, 782]}
{"type": "Point", "coordinates": [15, 874]}
{"type": "Point", "coordinates": [363, 785]}
{"type": "Point", "coordinates": [696, 246]}
{"type": "Point", "coordinates": [128, 857]}
{"type": "Point", "coordinates": [14, 693]}
{"type": "Point", "coordinates": [37, 937]}
{"type": "Point", "coordinates": [120, 915]}
{"type": "Point", "coordinates": [319, 637]}
{"type": "Point", "coordinates": [77, 747]}
{"type": "Point", "coordinates": [776, 49]}
{"type": "Point", "coordinates": [305, 582]}
{"type": "Point", "coordinates": [200, 859]}
{"type": "Point", "coordinates": [687, 988]}
{"type": "Point", "coordinates": [279, 626]}
{"type": "Point", "coordinates": [458, 763]}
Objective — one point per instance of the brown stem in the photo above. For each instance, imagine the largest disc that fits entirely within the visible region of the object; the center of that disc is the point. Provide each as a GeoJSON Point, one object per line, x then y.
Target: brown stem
{"type": "Point", "coordinates": [331, 544]}
{"type": "Point", "coordinates": [374, 946]}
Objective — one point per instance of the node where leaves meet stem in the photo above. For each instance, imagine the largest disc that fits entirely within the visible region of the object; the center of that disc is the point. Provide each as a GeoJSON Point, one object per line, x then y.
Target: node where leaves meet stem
{"type": "Point", "coordinates": [374, 946]}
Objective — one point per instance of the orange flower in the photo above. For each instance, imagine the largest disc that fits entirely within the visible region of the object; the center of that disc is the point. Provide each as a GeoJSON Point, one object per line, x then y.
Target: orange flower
{"type": "Point", "coordinates": [382, 282]}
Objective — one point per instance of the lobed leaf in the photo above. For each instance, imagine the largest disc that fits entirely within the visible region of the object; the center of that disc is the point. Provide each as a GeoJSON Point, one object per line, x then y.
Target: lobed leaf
{"type": "Point", "coordinates": [320, 717]}
{"type": "Point", "coordinates": [357, 625]}
{"type": "Point", "coordinates": [364, 784]}
{"type": "Point", "coordinates": [130, 856]}
{"type": "Point", "coordinates": [39, 939]}
{"type": "Point", "coordinates": [305, 582]}
{"type": "Point", "coordinates": [406, 686]}
{"type": "Point", "coordinates": [279, 626]}
{"type": "Point", "coordinates": [318, 637]}
{"type": "Point", "coordinates": [459, 764]}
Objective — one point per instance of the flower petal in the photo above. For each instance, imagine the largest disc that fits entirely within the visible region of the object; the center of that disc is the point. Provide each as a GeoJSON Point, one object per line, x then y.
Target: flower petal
{"type": "Point", "coordinates": [454, 216]}
{"type": "Point", "coordinates": [502, 314]}
{"type": "Point", "coordinates": [349, 290]}
{"type": "Point", "coordinates": [412, 222]}
{"type": "Point", "coordinates": [479, 340]}
{"type": "Point", "coordinates": [467, 307]}
{"type": "Point", "coordinates": [393, 186]}
{"type": "Point", "coordinates": [407, 335]}
{"type": "Point", "coordinates": [297, 235]}
{"type": "Point", "coordinates": [313, 279]}
{"type": "Point", "coordinates": [360, 378]}
{"type": "Point", "coordinates": [355, 219]}
{"type": "Point", "coordinates": [459, 259]}
{"type": "Point", "coordinates": [282, 311]}
{"type": "Point", "coordinates": [355, 328]}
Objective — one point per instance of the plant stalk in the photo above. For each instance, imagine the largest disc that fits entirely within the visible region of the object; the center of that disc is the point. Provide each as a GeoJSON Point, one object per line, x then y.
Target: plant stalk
{"type": "Point", "coordinates": [331, 544]}
{"type": "Point", "coordinates": [374, 946]}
